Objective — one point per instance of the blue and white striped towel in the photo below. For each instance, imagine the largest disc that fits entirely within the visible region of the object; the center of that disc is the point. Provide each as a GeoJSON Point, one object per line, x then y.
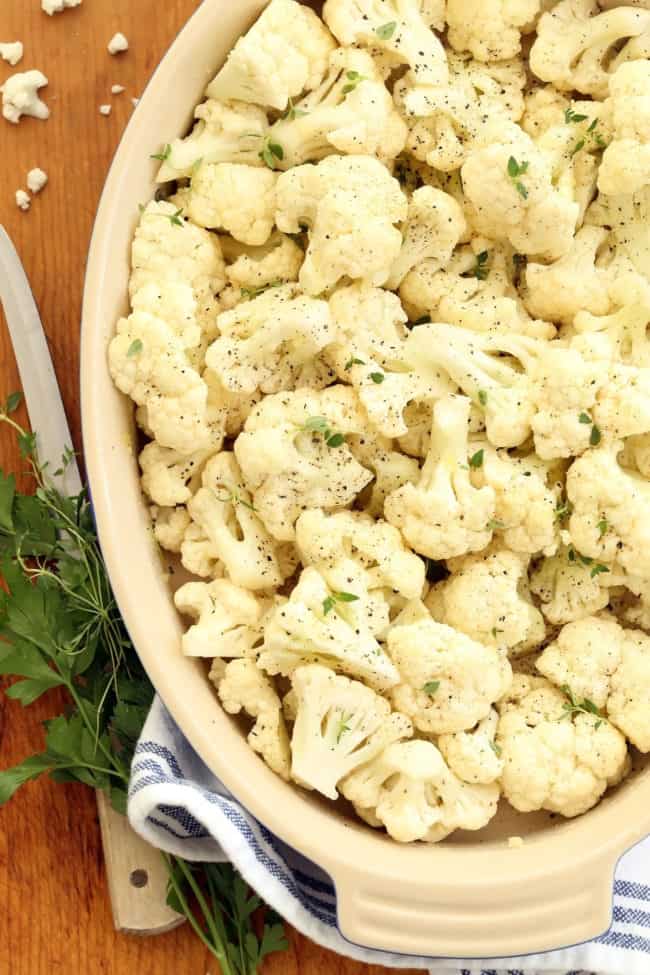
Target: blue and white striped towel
{"type": "Point", "coordinates": [177, 804]}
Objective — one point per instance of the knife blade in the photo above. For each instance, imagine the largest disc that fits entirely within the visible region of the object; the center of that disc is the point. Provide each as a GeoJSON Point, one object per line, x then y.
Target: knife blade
{"type": "Point", "coordinates": [136, 874]}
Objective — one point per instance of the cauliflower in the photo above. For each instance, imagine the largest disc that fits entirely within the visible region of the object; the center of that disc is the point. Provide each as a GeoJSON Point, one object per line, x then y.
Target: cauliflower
{"type": "Point", "coordinates": [574, 42]}
{"type": "Point", "coordinates": [236, 198]}
{"type": "Point", "coordinates": [20, 96]}
{"type": "Point", "coordinates": [574, 283]}
{"type": "Point", "coordinates": [476, 363]}
{"type": "Point", "coordinates": [284, 52]}
{"type": "Point", "coordinates": [255, 268]}
{"type": "Point", "coordinates": [324, 539]}
{"type": "Point", "coordinates": [227, 619]}
{"type": "Point", "coordinates": [487, 597]}
{"type": "Point", "coordinates": [226, 132]}
{"type": "Point", "coordinates": [372, 357]}
{"type": "Point", "coordinates": [294, 456]}
{"type": "Point", "coordinates": [545, 109]}
{"type": "Point", "coordinates": [390, 468]}
{"type": "Point", "coordinates": [170, 477]}
{"type": "Point", "coordinates": [265, 342]}
{"type": "Point", "coordinates": [596, 660]}
{"type": "Point", "coordinates": [434, 225]}
{"type": "Point", "coordinates": [444, 515]}
{"type": "Point", "coordinates": [351, 112]}
{"type": "Point", "coordinates": [244, 687]}
{"type": "Point", "coordinates": [350, 205]}
{"type": "Point", "coordinates": [410, 790]}
{"type": "Point", "coordinates": [490, 29]}
{"type": "Point", "coordinates": [169, 526]}
{"type": "Point", "coordinates": [330, 625]}
{"type": "Point", "coordinates": [611, 510]}
{"type": "Point", "coordinates": [567, 588]}
{"type": "Point", "coordinates": [473, 755]}
{"type": "Point", "coordinates": [625, 167]}
{"type": "Point", "coordinates": [227, 529]}
{"type": "Point", "coordinates": [555, 758]}
{"type": "Point", "coordinates": [398, 26]}
{"type": "Point", "coordinates": [511, 196]}
{"type": "Point", "coordinates": [340, 725]}
{"type": "Point", "coordinates": [626, 217]}
{"type": "Point", "coordinates": [621, 335]}
{"type": "Point", "coordinates": [448, 681]}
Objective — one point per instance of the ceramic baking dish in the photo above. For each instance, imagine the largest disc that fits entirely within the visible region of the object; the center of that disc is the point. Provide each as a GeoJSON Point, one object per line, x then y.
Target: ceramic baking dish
{"type": "Point", "coordinates": [471, 896]}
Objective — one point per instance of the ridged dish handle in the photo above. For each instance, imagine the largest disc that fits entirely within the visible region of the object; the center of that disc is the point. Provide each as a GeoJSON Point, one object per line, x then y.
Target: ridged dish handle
{"type": "Point", "coordinates": [484, 919]}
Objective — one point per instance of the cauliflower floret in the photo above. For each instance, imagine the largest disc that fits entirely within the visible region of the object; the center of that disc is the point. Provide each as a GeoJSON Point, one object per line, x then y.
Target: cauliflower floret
{"type": "Point", "coordinates": [434, 225]}
{"type": "Point", "coordinates": [574, 42]}
{"type": "Point", "coordinates": [264, 343]}
{"type": "Point", "coordinates": [476, 362]}
{"type": "Point", "coordinates": [293, 455]}
{"type": "Point", "coordinates": [410, 790]}
{"type": "Point", "coordinates": [349, 204]}
{"type": "Point", "coordinates": [488, 598]}
{"type": "Point", "coordinates": [226, 132]}
{"type": "Point", "coordinates": [611, 510]}
{"type": "Point", "coordinates": [397, 26]}
{"type": "Point", "coordinates": [20, 96]}
{"type": "Point", "coordinates": [227, 529]}
{"type": "Point", "coordinates": [169, 249]}
{"type": "Point", "coordinates": [227, 619]}
{"type": "Point", "coordinates": [511, 196]}
{"type": "Point", "coordinates": [351, 112]}
{"type": "Point", "coordinates": [625, 167]}
{"type": "Point", "coordinates": [574, 283]}
{"type": "Point", "coordinates": [391, 469]}
{"type": "Point", "coordinates": [626, 217]}
{"type": "Point", "coordinates": [621, 335]}
{"type": "Point", "coordinates": [255, 268]}
{"type": "Point", "coordinates": [444, 515]}
{"type": "Point", "coordinates": [324, 539]}
{"type": "Point", "coordinates": [169, 526]}
{"type": "Point", "coordinates": [327, 624]}
{"type": "Point", "coordinates": [595, 659]}
{"type": "Point", "coordinates": [244, 687]}
{"type": "Point", "coordinates": [448, 681]}
{"type": "Point", "coordinates": [340, 725]}
{"type": "Point", "coordinates": [369, 353]}
{"type": "Point", "coordinates": [555, 758]}
{"type": "Point", "coordinates": [284, 52]}
{"type": "Point", "coordinates": [170, 477]}
{"type": "Point", "coordinates": [490, 29]}
{"type": "Point", "coordinates": [640, 447]}
{"type": "Point", "coordinates": [545, 109]}
{"type": "Point", "coordinates": [234, 197]}
{"type": "Point", "coordinates": [567, 588]}
{"type": "Point", "coordinates": [473, 755]}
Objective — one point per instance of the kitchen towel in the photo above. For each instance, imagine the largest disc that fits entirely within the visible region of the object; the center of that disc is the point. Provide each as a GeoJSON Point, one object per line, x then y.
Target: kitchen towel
{"type": "Point", "coordinates": [177, 804]}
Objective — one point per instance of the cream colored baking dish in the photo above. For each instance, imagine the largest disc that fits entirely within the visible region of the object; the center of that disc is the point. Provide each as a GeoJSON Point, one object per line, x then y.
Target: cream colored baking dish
{"type": "Point", "coordinates": [469, 896]}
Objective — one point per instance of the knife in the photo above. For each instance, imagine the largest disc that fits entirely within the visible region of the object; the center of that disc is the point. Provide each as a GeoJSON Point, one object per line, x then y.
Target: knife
{"type": "Point", "coordinates": [137, 877]}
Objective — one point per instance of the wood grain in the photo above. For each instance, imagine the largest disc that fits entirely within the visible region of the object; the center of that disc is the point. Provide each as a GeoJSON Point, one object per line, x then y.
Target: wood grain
{"type": "Point", "coordinates": [54, 910]}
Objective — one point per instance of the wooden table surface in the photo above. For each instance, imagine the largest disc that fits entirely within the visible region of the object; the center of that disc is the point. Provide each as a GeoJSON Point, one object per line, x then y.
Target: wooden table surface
{"type": "Point", "coordinates": [54, 909]}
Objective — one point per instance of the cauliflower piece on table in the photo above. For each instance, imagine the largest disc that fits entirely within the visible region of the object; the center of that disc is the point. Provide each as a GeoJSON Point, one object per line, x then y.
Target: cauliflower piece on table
{"type": "Point", "coordinates": [567, 589]}
{"type": "Point", "coordinates": [443, 515]}
{"type": "Point", "coordinates": [254, 268]}
{"type": "Point", "coordinates": [234, 197]}
{"type": "Point", "coordinates": [573, 44]}
{"type": "Point", "coordinates": [340, 725]}
{"type": "Point", "coordinates": [170, 477]}
{"type": "Point", "coordinates": [20, 96]}
{"type": "Point", "coordinates": [227, 619]}
{"type": "Point", "coordinates": [285, 51]}
{"type": "Point", "coordinates": [324, 539]}
{"type": "Point", "coordinates": [352, 111]}
{"type": "Point", "coordinates": [625, 166]}
{"type": "Point", "coordinates": [611, 510]}
{"type": "Point", "coordinates": [448, 681]}
{"type": "Point", "coordinates": [434, 225]}
{"type": "Point", "coordinates": [228, 530]}
{"type": "Point", "coordinates": [329, 625]}
{"type": "Point", "coordinates": [473, 755]}
{"type": "Point", "coordinates": [397, 26]}
{"type": "Point", "coordinates": [349, 205]}
{"type": "Point", "coordinates": [244, 687]}
{"type": "Point", "coordinates": [265, 343]}
{"type": "Point", "coordinates": [606, 668]}
{"type": "Point", "coordinates": [487, 597]}
{"type": "Point", "coordinates": [490, 29]}
{"type": "Point", "coordinates": [410, 790]}
{"type": "Point", "coordinates": [573, 283]}
{"type": "Point", "coordinates": [555, 758]}
{"type": "Point", "coordinates": [293, 454]}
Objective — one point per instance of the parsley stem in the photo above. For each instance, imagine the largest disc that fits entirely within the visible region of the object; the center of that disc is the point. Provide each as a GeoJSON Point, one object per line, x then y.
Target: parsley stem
{"type": "Point", "coordinates": [216, 945]}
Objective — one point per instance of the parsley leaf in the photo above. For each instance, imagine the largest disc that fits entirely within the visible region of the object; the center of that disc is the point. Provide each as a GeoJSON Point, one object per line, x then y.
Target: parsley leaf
{"type": "Point", "coordinates": [482, 397]}
{"type": "Point", "coordinates": [574, 706]}
{"type": "Point", "coordinates": [164, 155]}
{"type": "Point", "coordinates": [353, 80]}
{"type": "Point", "coordinates": [330, 602]}
{"type": "Point", "coordinates": [251, 293]}
{"type": "Point", "coordinates": [176, 219]}
{"type": "Point", "coordinates": [292, 112]}
{"type": "Point", "coordinates": [431, 687]}
{"type": "Point", "coordinates": [596, 436]}
{"type": "Point", "coordinates": [585, 418]}
{"type": "Point", "coordinates": [135, 348]}
{"type": "Point", "coordinates": [271, 152]}
{"type": "Point", "coordinates": [320, 425]}
{"type": "Point", "coordinates": [377, 377]}
{"type": "Point", "coordinates": [515, 170]}
{"type": "Point", "coordinates": [481, 269]}
{"type": "Point", "coordinates": [13, 402]}
{"type": "Point", "coordinates": [343, 727]}
{"type": "Point", "coordinates": [353, 362]}
{"type": "Point", "coordinates": [571, 116]}
{"type": "Point", "coordinates": [386, 31]}
{"type": "Point", "coordinates": [476, 460]}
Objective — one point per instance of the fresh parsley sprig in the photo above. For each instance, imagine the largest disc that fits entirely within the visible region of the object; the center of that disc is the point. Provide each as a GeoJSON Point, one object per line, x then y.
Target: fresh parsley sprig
{"type": "Point", "coordinates": [320, 425]}
{"type": "Point", "coordinates": [574, 706]}
{"type": "Point", "coordinates": [330, 602]}
{"type": "Point", "coordinates": [515, 171]}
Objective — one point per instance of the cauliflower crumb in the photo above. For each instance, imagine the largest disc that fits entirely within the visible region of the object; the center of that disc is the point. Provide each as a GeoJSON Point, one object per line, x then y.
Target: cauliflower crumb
{"type": "Point", "coordinates": [105, 109]}
{"type": "Point", "coordinates": [11, 52]}
{"type": "Point", "coordinates": [57, 6]}
{"type": "Point", "coordinates": [22, 200]}
{"type": "Point", "coordinates": [515, 842]}
{"type": "Point", "coordinates": [117, 44]}
{"type": "Point", "coordinates": [20, 96]}
{"type": "Point", "coordinates": [117, 89]}
{"type": "Point", "coordinates": [36, 180]}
